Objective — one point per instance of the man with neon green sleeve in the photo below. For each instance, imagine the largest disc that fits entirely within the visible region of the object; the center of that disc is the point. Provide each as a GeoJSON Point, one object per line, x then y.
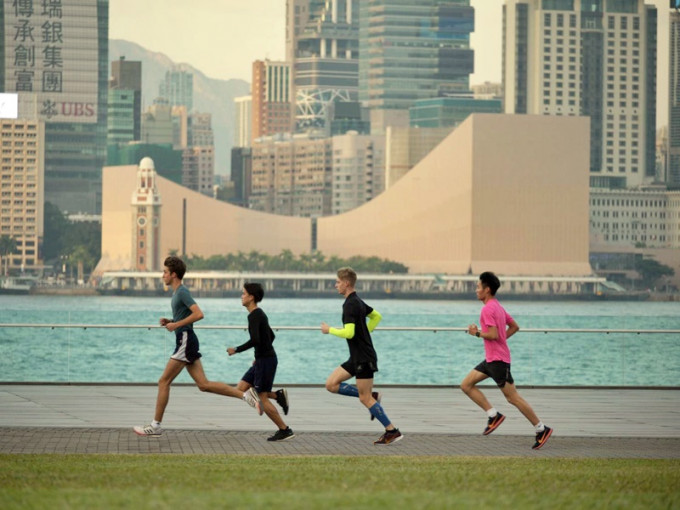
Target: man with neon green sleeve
{"type": "Point", "coordinates": [363, 361]}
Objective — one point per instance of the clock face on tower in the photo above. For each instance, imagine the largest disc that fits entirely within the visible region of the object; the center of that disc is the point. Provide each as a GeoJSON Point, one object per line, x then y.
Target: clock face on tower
{"type": "Point", "coordinates": [141, 221]}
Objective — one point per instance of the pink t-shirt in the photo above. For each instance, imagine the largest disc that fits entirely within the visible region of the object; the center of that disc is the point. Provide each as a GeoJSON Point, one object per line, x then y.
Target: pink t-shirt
{"type": "Point", "coordinates": [494, 315]}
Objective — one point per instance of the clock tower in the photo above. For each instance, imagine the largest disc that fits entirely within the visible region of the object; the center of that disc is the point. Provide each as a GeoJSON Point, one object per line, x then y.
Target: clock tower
{"type": "Point", "coordinates": [146, 219]}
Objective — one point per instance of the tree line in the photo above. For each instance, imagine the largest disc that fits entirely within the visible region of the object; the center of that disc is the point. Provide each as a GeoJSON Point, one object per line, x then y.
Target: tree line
{"type": "Point", "coordinates": [287, 261]}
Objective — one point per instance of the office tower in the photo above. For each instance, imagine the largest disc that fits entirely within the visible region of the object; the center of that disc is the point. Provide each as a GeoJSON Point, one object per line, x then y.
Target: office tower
{"type": "Point", "coordinates": [55, 55]}
{"type": "Point", "coordinates": [322, 46]}
{"type": "Point", "coordinates": [198, 165]}
{"type": "Point", "coordinates": [592, 58]}
{"type": "Point", "coordinates": [413, 50]}
{"type": "Point", "coordinates": [121, 117]}
{"type": "Point", "coordinates": [178, 88]}
{"type": "Point", "coordinates": [450, 111]}
{"type": "Point", "coordinates": [22, 190]}
{"type": "Point", "coordinates": [157, 123]}
{"type": "Point", "coordinates": [126, 75]}
{"type": "Point", "coordinates": [241, 174]}
{"type": "Point", "coordinates": [673, 158]}
{"type": "Point", "coordinates": [243, 121]}
{"type": "Point", "coordinates": [271, 98]}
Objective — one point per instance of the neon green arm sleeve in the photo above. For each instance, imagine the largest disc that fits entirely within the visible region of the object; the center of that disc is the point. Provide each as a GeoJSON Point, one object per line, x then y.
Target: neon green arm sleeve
{"type": "Point", "coordinates": [374, 318]}
{"type": "Point", "coordinates": [346, 332]}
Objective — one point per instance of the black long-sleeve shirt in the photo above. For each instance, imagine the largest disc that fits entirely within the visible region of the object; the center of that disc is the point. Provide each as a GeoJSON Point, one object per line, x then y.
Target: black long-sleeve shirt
{"type": "Point", "coordinates": [261, 335]}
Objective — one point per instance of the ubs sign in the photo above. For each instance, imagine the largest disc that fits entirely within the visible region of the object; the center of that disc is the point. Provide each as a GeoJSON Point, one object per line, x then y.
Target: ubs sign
{"type": "Point", "coordinates": [52, 58]}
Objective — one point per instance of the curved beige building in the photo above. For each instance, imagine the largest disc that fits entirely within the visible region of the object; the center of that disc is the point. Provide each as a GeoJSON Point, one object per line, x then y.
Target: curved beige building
{"type": "Point", "coordinates": [506, 193]}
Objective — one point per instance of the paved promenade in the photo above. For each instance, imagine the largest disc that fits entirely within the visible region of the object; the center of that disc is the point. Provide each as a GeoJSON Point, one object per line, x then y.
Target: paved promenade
{"type": "Point", "coordinates": [609, 423]}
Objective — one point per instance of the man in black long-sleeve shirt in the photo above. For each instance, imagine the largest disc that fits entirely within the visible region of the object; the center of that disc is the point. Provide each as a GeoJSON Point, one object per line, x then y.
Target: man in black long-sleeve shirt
{"type": "Point", "coordinates": [261, 374]}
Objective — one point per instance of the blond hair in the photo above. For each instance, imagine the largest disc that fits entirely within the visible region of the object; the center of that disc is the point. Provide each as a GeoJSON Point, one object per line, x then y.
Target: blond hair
{"type": "Point", "coordinates": [348, 275]}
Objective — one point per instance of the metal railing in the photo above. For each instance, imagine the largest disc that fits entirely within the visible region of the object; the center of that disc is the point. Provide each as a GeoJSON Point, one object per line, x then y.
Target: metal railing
{"type": "Point", "coordinates": [82, 352]}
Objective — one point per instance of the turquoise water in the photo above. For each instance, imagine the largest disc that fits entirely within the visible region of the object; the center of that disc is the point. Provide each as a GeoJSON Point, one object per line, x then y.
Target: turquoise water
{"type": "Point", "coordinates": [139, 355]}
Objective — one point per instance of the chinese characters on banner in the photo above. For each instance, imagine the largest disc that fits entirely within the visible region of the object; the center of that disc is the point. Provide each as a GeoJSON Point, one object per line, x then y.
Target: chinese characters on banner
{"type": "Point", "coordinates": [52, 60]}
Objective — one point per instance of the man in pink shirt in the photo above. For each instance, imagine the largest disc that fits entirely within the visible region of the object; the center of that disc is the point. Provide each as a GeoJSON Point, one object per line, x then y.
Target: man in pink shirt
{"type": "Point", "coordinates": [496, 326]}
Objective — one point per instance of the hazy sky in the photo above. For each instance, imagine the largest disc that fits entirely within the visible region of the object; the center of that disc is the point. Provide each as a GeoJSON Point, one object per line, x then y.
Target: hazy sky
{"type": "Point", "coordinates": [222, 38]}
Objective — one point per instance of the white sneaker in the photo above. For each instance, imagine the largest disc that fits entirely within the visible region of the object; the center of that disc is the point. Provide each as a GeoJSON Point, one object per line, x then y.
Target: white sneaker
{"type": "Point", "coordinates": [148, 430]}
{"type": "Point", "coordinates": [253, 399]}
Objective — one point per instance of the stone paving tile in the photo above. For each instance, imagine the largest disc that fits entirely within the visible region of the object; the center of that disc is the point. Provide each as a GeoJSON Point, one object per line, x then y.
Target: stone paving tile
{"type": "Point", "coordinates": [33, 440]}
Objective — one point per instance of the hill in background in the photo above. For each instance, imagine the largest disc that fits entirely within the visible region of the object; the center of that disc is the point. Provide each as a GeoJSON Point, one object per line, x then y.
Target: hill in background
{"type": "Point", "coordinates": [210, 95]}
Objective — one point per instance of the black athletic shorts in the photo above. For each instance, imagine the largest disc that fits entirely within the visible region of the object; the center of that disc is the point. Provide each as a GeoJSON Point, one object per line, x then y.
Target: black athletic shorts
{"type": "Point", "coordinates": [363, 370]}
{"type": "Point", "coordinates": [186, 346]}
{"type": "Point", "coordinates": [261, 374]}
{"type": "Point", "coordinates": [499, 371]}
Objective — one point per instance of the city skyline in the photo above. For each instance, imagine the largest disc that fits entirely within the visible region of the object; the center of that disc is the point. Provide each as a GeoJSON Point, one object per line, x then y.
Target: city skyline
{"type": "Point", "coordinates": [267, 38]}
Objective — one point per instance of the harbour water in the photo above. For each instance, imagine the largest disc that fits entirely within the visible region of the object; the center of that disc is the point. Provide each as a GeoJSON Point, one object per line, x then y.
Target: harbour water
{"type": "Point", "coordinates": [40, 354]}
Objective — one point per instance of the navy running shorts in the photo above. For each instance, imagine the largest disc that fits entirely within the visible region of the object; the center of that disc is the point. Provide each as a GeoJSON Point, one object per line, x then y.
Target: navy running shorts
{"type": "Point", "coordinates": [186, 346]}
{"type": "Point", "coordinates": [261, 374]}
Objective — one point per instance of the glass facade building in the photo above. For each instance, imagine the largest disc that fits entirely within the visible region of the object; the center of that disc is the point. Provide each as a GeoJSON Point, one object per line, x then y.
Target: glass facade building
{"type": "Point", "coordinates": [322, 45]}
{"type": "Point", "coordinates": [55, 56]}
{"type": "Point", "coordinates": [413, 50]}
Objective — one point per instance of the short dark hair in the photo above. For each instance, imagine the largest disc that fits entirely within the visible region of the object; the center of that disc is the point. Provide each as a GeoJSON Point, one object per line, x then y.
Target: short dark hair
{"type": "Point", "coordinates": [491, 281]}
{"type": "Point", "coordinates": [175, 265]}
{"type": "Point", "coordinates": [255, 290]}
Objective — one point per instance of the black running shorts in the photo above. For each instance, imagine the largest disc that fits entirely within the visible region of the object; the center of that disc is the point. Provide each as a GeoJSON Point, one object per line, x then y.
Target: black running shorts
{"type": "Point", "coordinates": [363, 370]}
{"type": "Point", "coordinates": [499, 371]}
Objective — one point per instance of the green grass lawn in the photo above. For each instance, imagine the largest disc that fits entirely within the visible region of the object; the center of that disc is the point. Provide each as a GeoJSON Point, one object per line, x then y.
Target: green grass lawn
{"type": "Point", "coordinates": [224, 481]}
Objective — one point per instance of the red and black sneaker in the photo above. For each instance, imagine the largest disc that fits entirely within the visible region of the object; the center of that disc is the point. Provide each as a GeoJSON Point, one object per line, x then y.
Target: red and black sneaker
{"type": "Point", "coordinates": [542, 438]}
{"type": "Point", "coordinates": [493, 423]}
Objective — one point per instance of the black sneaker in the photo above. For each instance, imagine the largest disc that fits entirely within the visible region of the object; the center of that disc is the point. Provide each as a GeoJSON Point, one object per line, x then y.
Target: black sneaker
{"type": "Point", "coordinates": [542, 438]}
{"type": "Point", "coordinates": [378, 397]}
{"type": "Point", "coordinates": [282, 435]}
{"type": "Point", "coordinates": [389, 437]}
{"type": "Point", "coordinates": [493, 423]}
{"type": "Point", "coordinates": [282, 399]}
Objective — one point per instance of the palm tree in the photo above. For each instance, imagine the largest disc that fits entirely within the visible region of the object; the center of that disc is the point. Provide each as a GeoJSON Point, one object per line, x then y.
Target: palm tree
{"type": "Point", "coordinates": [7, 246]}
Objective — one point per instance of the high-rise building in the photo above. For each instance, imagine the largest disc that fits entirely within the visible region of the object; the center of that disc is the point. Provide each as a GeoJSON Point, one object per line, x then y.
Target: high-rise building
{"type": "Point", "coordinates": [198, 169]}
{"type": "Point", "coordinates": [121, 117]}
{"type": "Point", "coordinates": [126, 75]}
{"type": "Point", "coordinates": [157, 123]}
{"type": "Point", "coordinates": [413, 50]}
{"type": "Point", "coordinates": [22, 190]}
{"type": "Point", "coordinates": [291, 175]}
{"type": "Point", "coordinates": [673, 158]}
{"type": "Point", "coordinates": [322, 45]}
{"type": "Point", "coordinates": [593, 58]}
{"type": "Point", "coordinates": [271, 95]}
{"type": "Point", "coordinates": [55, 55]}
{"type": "Point", "coordinates": [178, 88]}
{"type": "Point", "coordinates": [243, 121]}
{"type": "Point", "coordinates": [358, 171]}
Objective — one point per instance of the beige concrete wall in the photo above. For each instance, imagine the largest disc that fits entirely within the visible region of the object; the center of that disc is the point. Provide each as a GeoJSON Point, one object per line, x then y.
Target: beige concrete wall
{"type": "Point", "coordinates": [213, 227]}
{"type": "Point", "coordinates": [506, 193]}
{"type": "Point", "coordinates": [503, 192]}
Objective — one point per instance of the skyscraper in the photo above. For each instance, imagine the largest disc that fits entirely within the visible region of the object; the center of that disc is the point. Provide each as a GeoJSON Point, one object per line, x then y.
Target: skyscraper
{"type": "Point", "coordinates": [673, 158]}
{"type": "Point", "coordinates": [413, 50]}
{"type": "Point", "coordinates": [592, 58]}
{"type": "Point", "coordinates": [322, 44]}
{"type": "Point", "coordinates": [126, 75]}
{"type": "Point", "coordinates": [271, 98]}
{"type": "Point", "coordinates": [55, 55]}
{"type": "Point", "coordinates": [178, 88]}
